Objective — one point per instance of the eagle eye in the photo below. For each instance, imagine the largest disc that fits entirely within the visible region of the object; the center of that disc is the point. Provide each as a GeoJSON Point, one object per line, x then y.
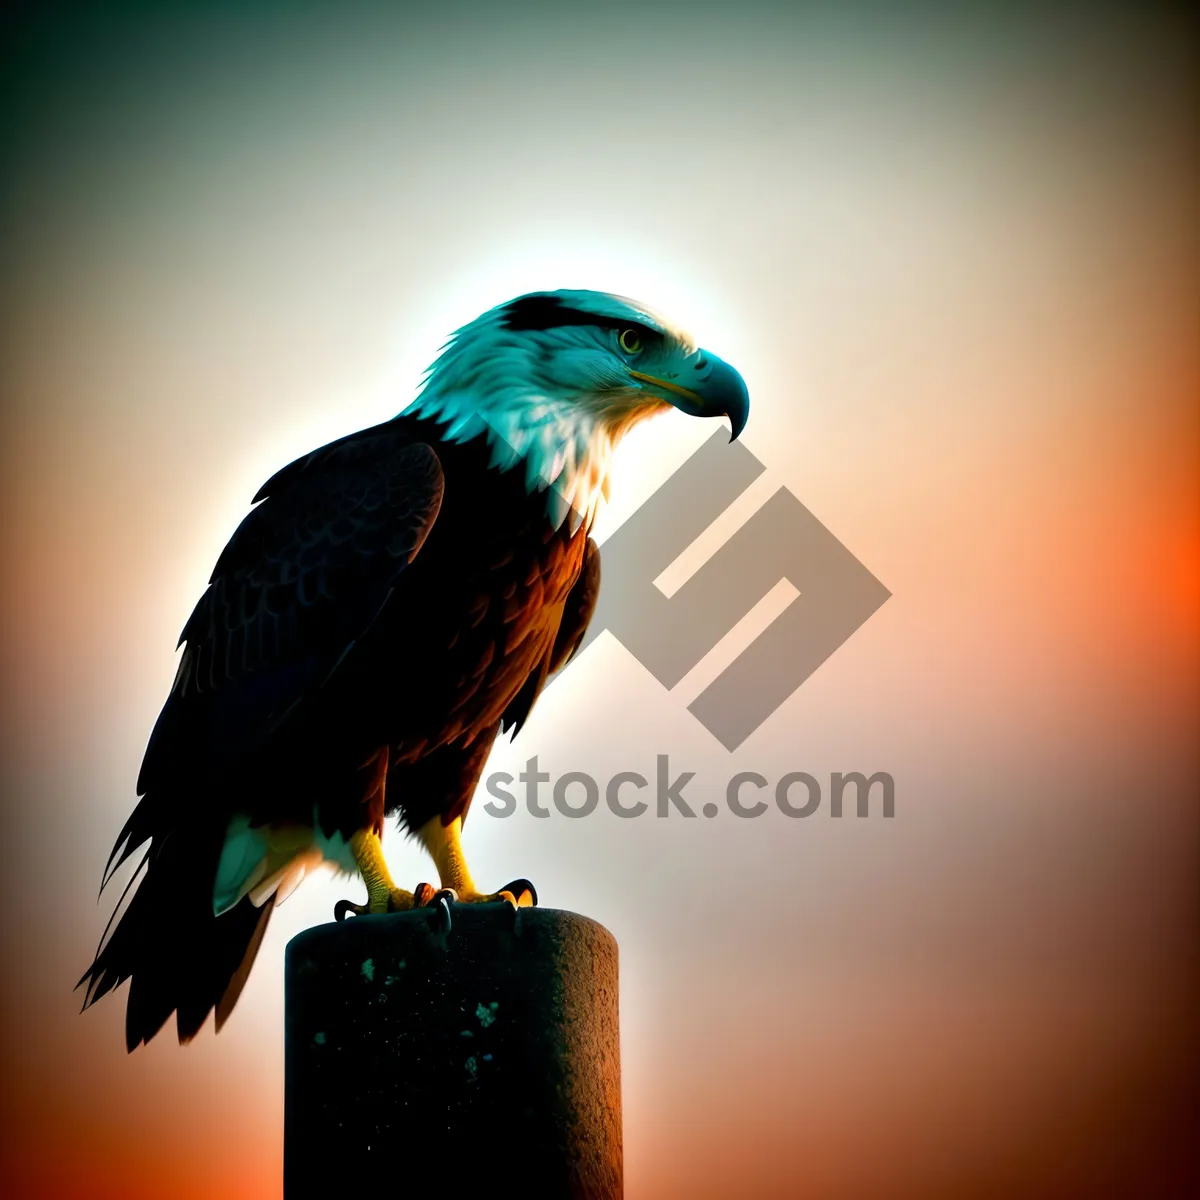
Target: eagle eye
{"type": "Point", "coordinates": [631, 341]}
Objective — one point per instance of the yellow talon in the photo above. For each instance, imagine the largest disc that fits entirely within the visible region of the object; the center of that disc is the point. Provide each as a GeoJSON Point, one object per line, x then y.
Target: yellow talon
{"type": "Point", "coordinates": [444, 843]}
{"type": "Point", "coordinates": [382, 894]}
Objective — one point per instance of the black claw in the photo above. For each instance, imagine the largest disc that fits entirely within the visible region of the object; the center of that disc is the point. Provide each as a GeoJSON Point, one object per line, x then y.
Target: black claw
{"type": "Point", "coordinates": [518, 886]}
{"type": "Point", "coordinates": [424, 895]}
{"type": "Point", "coordinates": [343, 908]}
{"type": "Point", "coordinates": [441, 903]}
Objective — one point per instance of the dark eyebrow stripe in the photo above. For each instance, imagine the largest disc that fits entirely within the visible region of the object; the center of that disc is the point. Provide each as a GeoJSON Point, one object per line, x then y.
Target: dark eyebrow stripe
{"type": "Point", "coordinates": [538, 313]}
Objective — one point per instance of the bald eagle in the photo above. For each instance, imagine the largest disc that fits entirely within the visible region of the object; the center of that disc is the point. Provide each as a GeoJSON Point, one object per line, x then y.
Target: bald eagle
{"type": "Point", "coordinates": [394, 601]}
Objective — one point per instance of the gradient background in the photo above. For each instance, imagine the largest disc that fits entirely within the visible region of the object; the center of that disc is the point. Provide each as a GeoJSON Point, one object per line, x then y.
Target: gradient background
{"type": "Point", "coordinates": [956, 259]}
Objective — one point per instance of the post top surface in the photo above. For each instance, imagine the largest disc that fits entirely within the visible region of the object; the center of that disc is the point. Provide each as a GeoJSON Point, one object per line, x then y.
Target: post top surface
{"type": "Point", "coordinates": [465, 920]}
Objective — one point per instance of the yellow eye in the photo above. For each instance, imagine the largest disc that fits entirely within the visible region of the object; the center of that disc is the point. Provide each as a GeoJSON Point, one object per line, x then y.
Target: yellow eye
{"type": "Point", "coordinates": [631, 341]}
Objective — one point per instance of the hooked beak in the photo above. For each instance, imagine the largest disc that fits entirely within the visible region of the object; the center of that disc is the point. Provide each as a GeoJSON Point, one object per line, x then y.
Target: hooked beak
{"type": "Point", "coordinates": [714, 389]}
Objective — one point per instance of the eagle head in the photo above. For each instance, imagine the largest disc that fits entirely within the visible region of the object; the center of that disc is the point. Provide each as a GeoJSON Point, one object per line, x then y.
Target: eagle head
{"type": "Point", "coordinates": [553, 380]}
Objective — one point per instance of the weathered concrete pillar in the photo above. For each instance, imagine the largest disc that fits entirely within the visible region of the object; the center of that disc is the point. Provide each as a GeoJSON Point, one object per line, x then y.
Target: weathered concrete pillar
{"type": "Point", "coordinates": [479, 1059]}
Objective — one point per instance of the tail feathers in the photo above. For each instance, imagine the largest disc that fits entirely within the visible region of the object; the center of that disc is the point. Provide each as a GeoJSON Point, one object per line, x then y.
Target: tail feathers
{"type": "Point", "coordinates": [179, 956]}
{"type": "Point", "coordinates": [229, 997]}
{"type": "Point", "coordinates": [136, 832]}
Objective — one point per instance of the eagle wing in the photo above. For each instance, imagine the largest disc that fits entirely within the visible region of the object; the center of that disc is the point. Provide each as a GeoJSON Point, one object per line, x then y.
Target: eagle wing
{"type": "Point", "coordinates": [576, 615]}
{"type": "Point", "coordinates": [578, 610]}
{"type": "Point", "coordinates": [301, 580]}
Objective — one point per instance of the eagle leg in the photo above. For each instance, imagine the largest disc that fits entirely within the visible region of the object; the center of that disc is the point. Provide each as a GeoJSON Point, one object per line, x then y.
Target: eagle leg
{"type": "Point", "coordinates": [382, 894]}
{"type": "Point", "coordinates": [444, 843]}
